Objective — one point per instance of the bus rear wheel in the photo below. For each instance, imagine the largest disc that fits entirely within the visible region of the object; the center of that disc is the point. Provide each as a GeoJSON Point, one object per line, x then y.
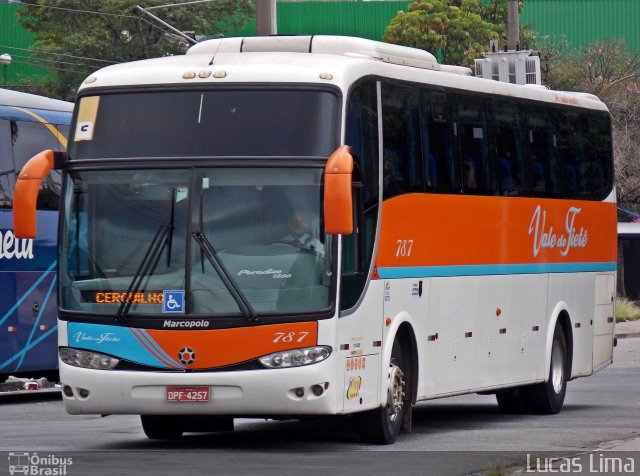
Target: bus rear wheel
{"type": "Point", "coordinates": [382, 425]}
{"type": "Point", "coordinates": [547, 398]}
{"type": "Point", "coordinates": [162, 427]}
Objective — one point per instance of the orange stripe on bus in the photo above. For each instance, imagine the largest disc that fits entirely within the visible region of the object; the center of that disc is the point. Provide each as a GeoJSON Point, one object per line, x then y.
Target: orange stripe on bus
{"type": "Point", "coordinates": [222, 347]}
{"type": "Point", "coordinates": [450, 230]}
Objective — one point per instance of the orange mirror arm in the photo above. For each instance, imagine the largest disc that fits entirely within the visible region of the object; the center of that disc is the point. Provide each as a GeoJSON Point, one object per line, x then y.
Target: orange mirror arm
{"type": "Point", "coordinates": [25, 194]}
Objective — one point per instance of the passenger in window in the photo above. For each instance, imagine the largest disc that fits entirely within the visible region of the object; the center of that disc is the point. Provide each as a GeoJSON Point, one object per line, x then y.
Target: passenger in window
{"type": "Point", "coordinates": [596, 177]}
{"type": "Point", "coordinates": [570, 180]}
{"type": "Point", "coordinates": [469, 174]}
{"type": "Point", "coordinates": [301, 234]}
{"type": "Point", "coordinates": [539, 182]}
{"type": "Point", "coordinates": [508, 184]}
{"type": "Point", "coordinates": [394, 182]}
{"type": "Point", "coordinates": [432, 170]}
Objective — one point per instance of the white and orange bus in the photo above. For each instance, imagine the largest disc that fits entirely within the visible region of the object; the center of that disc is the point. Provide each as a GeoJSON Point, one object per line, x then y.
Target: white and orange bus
{"type": "Point", "coordinates": [291, 226]}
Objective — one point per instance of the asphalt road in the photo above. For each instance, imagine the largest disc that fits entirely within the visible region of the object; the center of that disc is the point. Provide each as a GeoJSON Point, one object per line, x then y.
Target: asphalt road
{"type": "Point", "coordinates": [459, 435]}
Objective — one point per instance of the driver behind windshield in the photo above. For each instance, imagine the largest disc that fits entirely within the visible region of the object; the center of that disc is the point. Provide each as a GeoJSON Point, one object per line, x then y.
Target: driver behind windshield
{"type": "Point", "coordinates": [301, 234]}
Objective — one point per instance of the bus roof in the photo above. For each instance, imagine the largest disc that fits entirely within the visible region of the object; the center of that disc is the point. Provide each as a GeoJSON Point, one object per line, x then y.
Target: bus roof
{"type": "Point", "coordinates": [19, 99]}
{"type": "Point", "coordinates": [319, 59]}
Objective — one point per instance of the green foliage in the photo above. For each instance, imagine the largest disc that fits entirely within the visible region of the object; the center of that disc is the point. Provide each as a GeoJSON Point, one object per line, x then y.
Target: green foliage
{"type": "Point", "coordinates": [110, 32]}
{"type": "Point", "coordinates": [460, 30]}
{"type": "Point", "coordinates": [626, 310]}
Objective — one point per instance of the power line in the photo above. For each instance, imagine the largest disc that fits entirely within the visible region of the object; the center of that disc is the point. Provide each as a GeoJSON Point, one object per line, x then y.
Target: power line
{"type": "Point", "coordinates": [180, 4]}
{"type": "Point", "coordinates": [41, 65]}
{"type": "Point", "coordinates": [90, 12]}
{"type": "Point", "coordinates": [30, 58]}
{"type": "Point", "coordinates": [58, 54]}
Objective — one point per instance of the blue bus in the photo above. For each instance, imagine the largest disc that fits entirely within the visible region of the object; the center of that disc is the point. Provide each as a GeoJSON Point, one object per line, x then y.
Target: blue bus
{"type": "Point", "coordinates": [28, 309]}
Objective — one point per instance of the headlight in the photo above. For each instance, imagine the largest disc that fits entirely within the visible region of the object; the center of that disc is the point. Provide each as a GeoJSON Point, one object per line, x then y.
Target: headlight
{"type": "Point", "coordinates": [296, 357]}
{"type": "Point", "coordinates": [87, 359]}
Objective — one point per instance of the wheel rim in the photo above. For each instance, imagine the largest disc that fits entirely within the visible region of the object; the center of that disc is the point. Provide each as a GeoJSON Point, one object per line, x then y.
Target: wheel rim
{"type": "Point", "coordinates": [557, 368]}
{"type": "Point", "coordinates": [395, 392]}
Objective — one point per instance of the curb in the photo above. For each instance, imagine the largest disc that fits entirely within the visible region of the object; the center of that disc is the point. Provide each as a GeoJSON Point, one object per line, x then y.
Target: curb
{"type": "Point", "coordinates": [627, 335]}
{"type": "Point", "coordinates": [30, 395]}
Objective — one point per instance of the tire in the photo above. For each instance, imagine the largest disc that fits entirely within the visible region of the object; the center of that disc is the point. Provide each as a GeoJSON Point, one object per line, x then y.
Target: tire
{"type": "Point", "coordinates": [512, 401]}
{"type": "Point", "coordinates": [382, 425]}
{"type": "Point", "coordinates": [161, 427]}
{"type": "Point", "coordinates": [547, 398]}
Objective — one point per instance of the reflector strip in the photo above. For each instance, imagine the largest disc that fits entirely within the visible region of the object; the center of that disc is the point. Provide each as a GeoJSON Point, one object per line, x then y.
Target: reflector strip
{"type": "Point", "coordinates": [535, 328]}
{"type": "Point", "coordinates": [578, 325]}
{"type": "Point", "coordinates": [503, 330]}
{"type": "Point", "coordinates": [468, 334]}
{"type": "Point", "coordinates": [377, 343]}
{"type": "Point", "coordinates": [433, 337]}
{"type": "Point", "coordinates": [344, 346]}
{"type": "Point", "coordinates": [609, 320]}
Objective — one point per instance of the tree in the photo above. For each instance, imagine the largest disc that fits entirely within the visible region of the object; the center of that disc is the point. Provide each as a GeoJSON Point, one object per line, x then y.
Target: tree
{"type": "Point", "coordinates": [77, 37]}
{"type": "Point", "coordinates": [609, 71]}
{"type": "Point", "coordinates": [458, 30]}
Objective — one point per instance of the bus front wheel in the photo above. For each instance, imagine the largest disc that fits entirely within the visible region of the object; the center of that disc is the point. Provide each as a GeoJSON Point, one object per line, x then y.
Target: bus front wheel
{"type": "Point", "coordinates": [382, 425]}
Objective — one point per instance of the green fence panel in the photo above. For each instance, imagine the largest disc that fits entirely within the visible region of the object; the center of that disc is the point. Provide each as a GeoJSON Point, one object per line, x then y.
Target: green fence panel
{"type": "Point", "coordinates": [583, 22]}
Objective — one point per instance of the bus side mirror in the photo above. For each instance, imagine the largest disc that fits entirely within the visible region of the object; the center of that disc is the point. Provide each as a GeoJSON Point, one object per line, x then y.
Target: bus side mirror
{"type": "Point", "coordinates": [25, 194]}
{"type": "Point", "coordinates": [338, 203]}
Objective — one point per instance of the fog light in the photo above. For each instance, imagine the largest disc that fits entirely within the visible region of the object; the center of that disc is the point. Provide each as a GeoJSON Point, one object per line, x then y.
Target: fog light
{"type": "Point", "coordinates": [84, 393]}
{"type": "Point", "coordinates": [317, 390]}
{"type": "Point", "coordinates": [67, 391]}
{"type": "Point", "coordinates": [299, 392]}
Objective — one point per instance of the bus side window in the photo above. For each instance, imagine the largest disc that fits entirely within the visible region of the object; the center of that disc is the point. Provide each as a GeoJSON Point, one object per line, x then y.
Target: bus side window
{"type": "Point", "coordinates": [509, 145]}
{"type": "Point", "coordinates": [477, 169]}
{"type": "Point", "coordinates": [542, 139]}
{"type": "Point", "coordinates": [7, 178]}
{"type": "Point", "coordinates": [570, 151]}
{"type": "Point", "coordinates": [599, 172]}
{"type": "Point", "coordinates": [402, 156]}
{"type": "Point", "coordinates": [439, 142]}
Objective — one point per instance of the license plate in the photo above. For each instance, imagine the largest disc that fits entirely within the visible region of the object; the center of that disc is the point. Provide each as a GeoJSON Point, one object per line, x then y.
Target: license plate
{"type": "Point", "coordinates": [187, 394]}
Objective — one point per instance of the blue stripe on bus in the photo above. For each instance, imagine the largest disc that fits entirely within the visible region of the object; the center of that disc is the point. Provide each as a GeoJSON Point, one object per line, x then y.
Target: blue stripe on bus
{"type": "Point", "coordinates": [26, 294]}
{"type": "Point", "coordinates": [37, 322]}
{"type": "Point", "coordinates": [496, 269]}
{"type": "Point", "coordinates": [17, 355]}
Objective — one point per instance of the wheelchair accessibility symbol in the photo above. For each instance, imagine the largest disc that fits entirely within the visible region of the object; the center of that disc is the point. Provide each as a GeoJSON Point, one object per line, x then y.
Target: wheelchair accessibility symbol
{"type": "Point", "coordinates": [173, 301]}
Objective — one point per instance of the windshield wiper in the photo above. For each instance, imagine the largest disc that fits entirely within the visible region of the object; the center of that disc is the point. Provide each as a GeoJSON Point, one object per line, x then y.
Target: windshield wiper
{"type": "Point", "coordinates": [163, 238]}
{"type": "Point", "coordinates": [146, 268]}
{"type": "Point", "coordinates": [209, 251]}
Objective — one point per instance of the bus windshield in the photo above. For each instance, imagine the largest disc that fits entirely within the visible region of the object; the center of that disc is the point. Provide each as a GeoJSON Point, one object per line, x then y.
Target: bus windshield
{"type": "Point", "coordinates": [223, 123]}
{"type": "Point", "coordinates": [213, 241]}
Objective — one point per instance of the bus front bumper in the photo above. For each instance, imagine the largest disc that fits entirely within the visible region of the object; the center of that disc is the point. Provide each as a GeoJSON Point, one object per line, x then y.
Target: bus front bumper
{"type": "Point", "coordinates": [247, 393]}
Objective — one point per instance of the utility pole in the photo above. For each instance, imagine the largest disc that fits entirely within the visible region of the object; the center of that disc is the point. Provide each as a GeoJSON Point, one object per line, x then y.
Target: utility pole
{"type": "Point", "coordinates": [266, 23]}
{"type": "Point", "coordinates": [513, 26]}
